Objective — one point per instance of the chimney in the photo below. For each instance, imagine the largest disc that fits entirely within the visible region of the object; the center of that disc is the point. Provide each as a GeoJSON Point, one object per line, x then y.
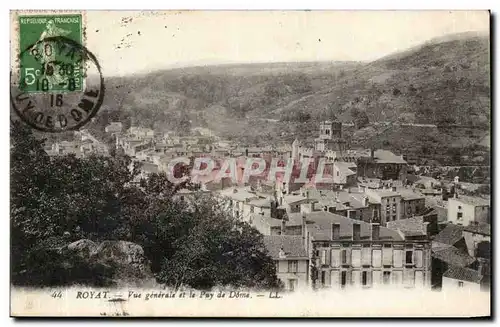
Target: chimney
{"type": "Point", "coordinates": [375, 232]}
{"type": "Point", "coordinates": [365, 201]}
{"type": "Point", "coordinates": [356, 231]}
{"type": "Point", "coordinates": [372, 153]}
{"type": "Point", "coordinates": [335, 232]}
{"type": "Point", "coordinates": [394, 188]}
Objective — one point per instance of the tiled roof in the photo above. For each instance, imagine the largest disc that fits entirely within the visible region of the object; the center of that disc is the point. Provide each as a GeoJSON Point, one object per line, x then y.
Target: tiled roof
{"type": "Point", "coordinates": [451, 255]}
{"type": "Point", "coordinates": [409, 194]}
{"type": "Point", "coordinates": [450, 235]}
{"type": "Point", "coordinates": [465, 274]}
{"type": "Point", "coordinates": [472, 200]}
{"type": "Point", "coordinates": [321, 229]}
{"type": "Point", "coordinates": [261, 203]}
{"type": "Point", "coordinates": [484, 229]}
{"type": "Point", "coordinates": [410, 227]}
{"type": "Point", "coordinates": [294, 198]}
{"type": "Point", "coordinates": [293, 246]}
{"type": "Point", "coordinates": [385, 156]}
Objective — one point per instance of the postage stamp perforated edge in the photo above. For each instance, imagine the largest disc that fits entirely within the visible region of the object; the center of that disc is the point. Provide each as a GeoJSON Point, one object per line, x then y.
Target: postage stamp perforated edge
{"type": "Point", "coordinates": [15, 35]}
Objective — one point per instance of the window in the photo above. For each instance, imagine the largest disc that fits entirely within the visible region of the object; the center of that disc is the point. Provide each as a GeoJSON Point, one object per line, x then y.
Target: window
{"type": "Point", "coordinates": [337, 172]}
{"type": "Point", "coordinates": [398, 258]}
{"type": "Point", "coordinates": [343, 279]}
{"type": "Point", "coordinates": [251, 209]}
{"type": "Point", "coordinates": [377, 258]}
{"type": "Point", "coordinates": [419, 278]}
{"type": "Point", "coordinates": [335, 258]}
{"type": "Point", "coordinates": [356, 257]}
{"type": "Point", "coordinates": [334, 278]}
{"type": "Point", "coordinates": [397, 277]}
{"type": "Point", "coordinates": [409, 257]}
{"type": "Point", "coordinates": [460, 284]}
{"type": "Point", "coordinates": [387, 255]}
{"type": "Point", "coordinates": [277, 266]}
{"type": "Point", "coordinates": [323, 257]}
{"type": "Point", "coordinates": [409, 278]}
{"type": "Point", "coordinates": [323, 277]}
{"type": "Point", "coordinates": [366, 256]}
{"type": "Point", "coordinates": [459, 207]}
{"type": "Point", "coordinates": [343, 257]}
{"type": "Point", "coordinates": [459, 215]}
{"type": "Point", "coordinates": [356, 277]}
{"type": "Point", "coordinates": [419, 258]}
{"type": "Point", "coordinates": [364, 278]}
{"type": "Point", "coordinates": [387, 277]}
{"type": "Point", "coordinates": [335, 231]}
{"type": "Point", "coordinates": [293, 266]}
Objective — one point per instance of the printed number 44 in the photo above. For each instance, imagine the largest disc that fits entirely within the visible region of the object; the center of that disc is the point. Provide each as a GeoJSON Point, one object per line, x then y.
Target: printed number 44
{"type": "Point", "coordinates": [57, 294]}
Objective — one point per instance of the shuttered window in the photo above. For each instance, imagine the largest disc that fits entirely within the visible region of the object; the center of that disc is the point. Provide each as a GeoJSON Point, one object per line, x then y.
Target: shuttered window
{"type": "Point", "coordinates": [356, 278]}
{"type": "Point", "coordinates": [335, 278]}
{"type": "Point", "coordinates": [366, 278]}
{"type": "Point", "coordinates": [387, 256]}
{"type": "Point", "coordinates": [377, 258]}
{"type": "Point", "coordinates": [419, 279]}
{"type": "Point", "coordinates": [335, 258]}
{"type": "Point", "coordinates": [356, 258]}
{"type": "Point", "coordinates": [377, 278]}
{"type": "Point", "coordinates": [366, 256]}
{"type": "Point", "coordinates": [409, 278]}
{"type": "Point", "coordinates": [398, 258]}
{"type": "Point", "coordinates": [397, 277]}
{"type": "Point", "coordinates": [419, 259]}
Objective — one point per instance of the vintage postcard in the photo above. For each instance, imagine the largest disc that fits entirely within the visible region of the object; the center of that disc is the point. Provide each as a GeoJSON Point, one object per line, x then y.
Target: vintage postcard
{"type": "Point", "coordinates": [250, 163]}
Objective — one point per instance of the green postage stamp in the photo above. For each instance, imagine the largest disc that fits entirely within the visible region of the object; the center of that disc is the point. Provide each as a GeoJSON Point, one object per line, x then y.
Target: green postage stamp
{"type": "Point", "coordinates": [56, 82]}
{"type": "Point", "coordinates": [46, 63]}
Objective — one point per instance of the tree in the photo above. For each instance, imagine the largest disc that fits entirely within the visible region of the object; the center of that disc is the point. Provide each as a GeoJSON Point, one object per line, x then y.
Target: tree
{"type": "Point", "coordinates": [58, 200]}
{"type": "Point", "coordinates": [360, 118]}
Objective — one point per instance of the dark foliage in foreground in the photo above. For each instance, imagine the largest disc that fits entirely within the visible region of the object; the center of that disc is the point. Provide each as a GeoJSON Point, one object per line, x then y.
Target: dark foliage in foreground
{"type": "Point", "coordinates": [58, 200]}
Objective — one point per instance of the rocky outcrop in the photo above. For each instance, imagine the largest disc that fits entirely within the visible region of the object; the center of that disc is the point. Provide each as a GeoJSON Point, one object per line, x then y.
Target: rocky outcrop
{"type": "Point", "coordinates": [126, 260]}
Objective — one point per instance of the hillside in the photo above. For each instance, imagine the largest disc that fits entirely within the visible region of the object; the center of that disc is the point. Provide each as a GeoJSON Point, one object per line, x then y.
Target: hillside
{"type": "Point", "coordinates": [444, 81]}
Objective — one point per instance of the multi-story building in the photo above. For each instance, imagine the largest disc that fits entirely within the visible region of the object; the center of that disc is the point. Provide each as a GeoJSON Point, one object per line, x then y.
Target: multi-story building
{"type": "Point", "coordinates": [244, 204]}
{"type": "Point", "coordinates": [291, 259]}
{"type": "Point", "coordinates": [389, 202]}
{"type": "Point", "coordinates": [462, 210]}
{"type": "Point", "coordinates": [412, 203]}
{"type": "Point", "coordinates": [351, 253]}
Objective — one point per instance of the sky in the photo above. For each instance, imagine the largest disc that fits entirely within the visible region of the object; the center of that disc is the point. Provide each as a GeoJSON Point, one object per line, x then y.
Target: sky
{"type": "Point", "coordinates": [139, 42]}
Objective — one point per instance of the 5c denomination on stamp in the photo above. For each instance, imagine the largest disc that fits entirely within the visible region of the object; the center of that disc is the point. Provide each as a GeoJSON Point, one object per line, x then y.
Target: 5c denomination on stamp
{"type": "Point", "coordinates": [58, 85]}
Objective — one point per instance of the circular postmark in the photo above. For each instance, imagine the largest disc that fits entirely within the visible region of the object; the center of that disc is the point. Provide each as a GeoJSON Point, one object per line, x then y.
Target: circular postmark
{"type": "Point", "coordinates": [58, 87]}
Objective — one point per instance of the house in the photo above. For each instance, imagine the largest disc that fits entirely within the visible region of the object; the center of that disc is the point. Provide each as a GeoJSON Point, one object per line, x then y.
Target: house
{"type": "Point", "coordinates": [449, 249]}
{"type": "Point", "coordinates": [462, 210]}
{"type": "Point", "coordinates": [462, 278]}
{"type": "Point", "coordinates": [389, 201]}
{"type": "Point", "coordinates": [412, 203]}
{"type": "Point", "coordinates": [382, 164]}
{"type": "Point", "coordinates": [291, 259]}
{"type": "Point", "coordinates": [349, 253]}
{"type": "Point", "coordinates": [237, 200]}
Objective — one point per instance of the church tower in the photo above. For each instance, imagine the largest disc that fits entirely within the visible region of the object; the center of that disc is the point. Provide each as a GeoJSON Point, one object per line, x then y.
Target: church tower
{"type": "Point", "coordinates": [330, 136]}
